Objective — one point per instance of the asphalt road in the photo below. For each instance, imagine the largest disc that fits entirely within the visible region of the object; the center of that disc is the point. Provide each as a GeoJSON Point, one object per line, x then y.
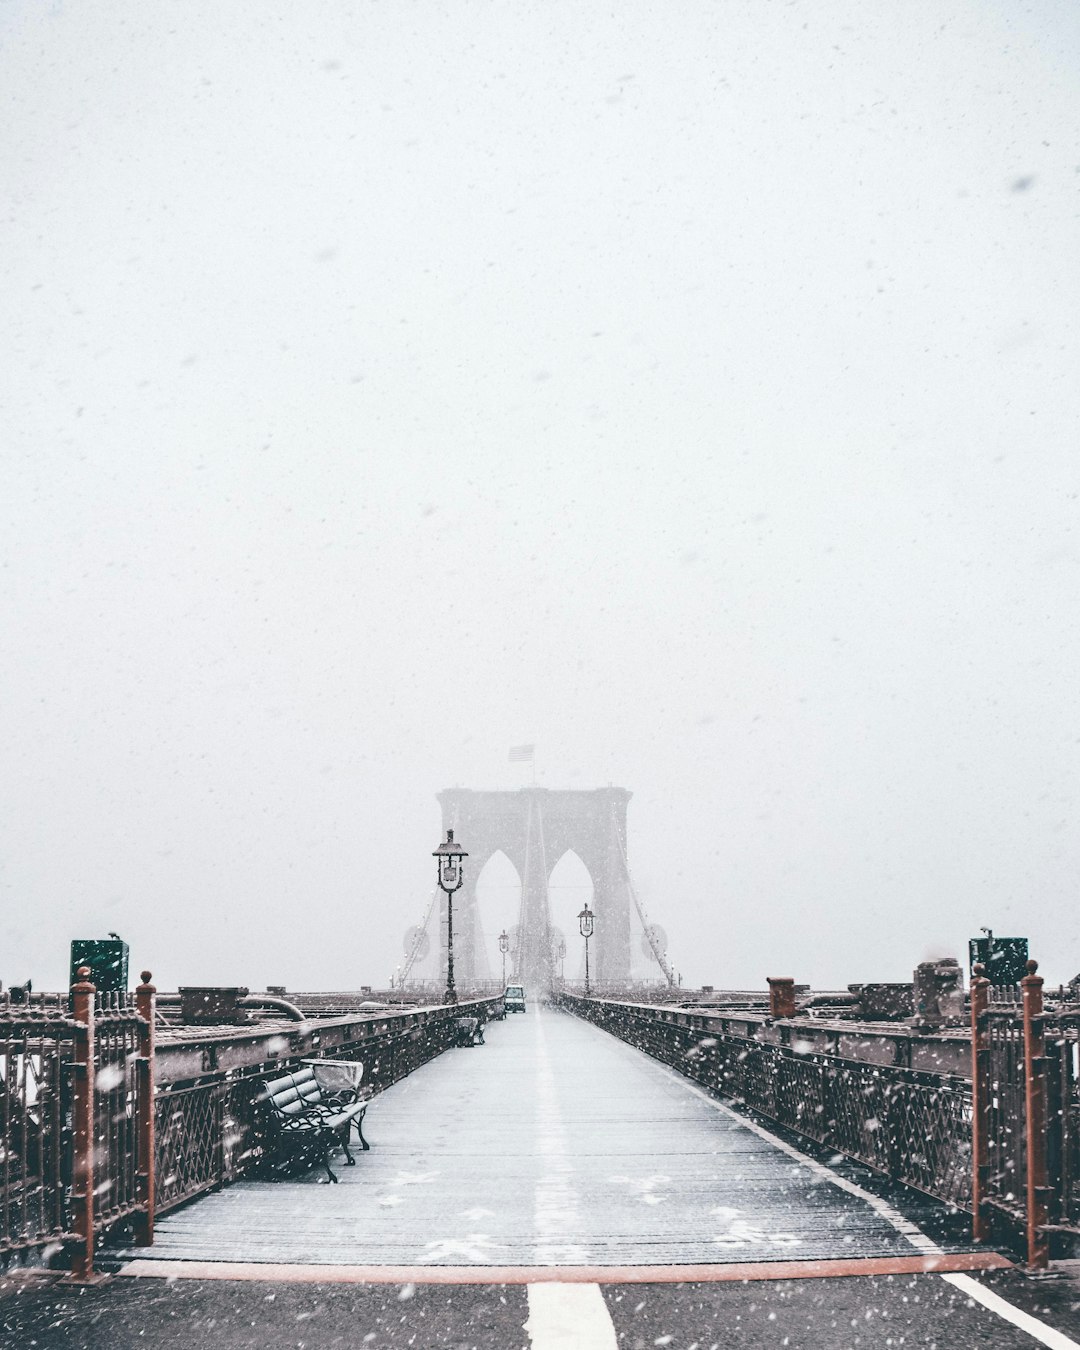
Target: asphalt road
{"type": "Point", "coordinates": [824, 1314]}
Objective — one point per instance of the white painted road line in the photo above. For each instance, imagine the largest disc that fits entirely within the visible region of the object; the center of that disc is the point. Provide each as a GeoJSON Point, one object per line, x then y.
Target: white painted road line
{"type": "Point", "coordinates": [1056, 1340]}
{"type": "Point", "coordinates": [570, 1317]}
{"type": "Point", "coordinates": [555, 1196]}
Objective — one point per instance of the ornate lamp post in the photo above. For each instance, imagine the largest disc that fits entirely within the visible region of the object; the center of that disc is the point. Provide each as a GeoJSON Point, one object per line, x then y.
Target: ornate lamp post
{"type": "Point", "coordinates": [504, 947]}
{"type": "Point", "coordinates": [449, 857]}
{"type": "Point", "coordinates": [585, 926]}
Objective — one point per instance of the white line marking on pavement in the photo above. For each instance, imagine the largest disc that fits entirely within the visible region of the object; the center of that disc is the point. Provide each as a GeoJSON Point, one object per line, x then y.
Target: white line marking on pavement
{"type": "Point", "coordinates": [1045, 1335]}
{"type": "Point", "coordinates": [569, 1317]}
{"type": "Point", "coordinates": [555, 1196]}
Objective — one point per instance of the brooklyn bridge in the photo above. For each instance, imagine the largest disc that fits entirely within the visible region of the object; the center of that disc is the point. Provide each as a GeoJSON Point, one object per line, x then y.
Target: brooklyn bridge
{"type": "Point", "coordinates": [535, 829]}
{"type": "Point", "coordinates": [620, 1162]}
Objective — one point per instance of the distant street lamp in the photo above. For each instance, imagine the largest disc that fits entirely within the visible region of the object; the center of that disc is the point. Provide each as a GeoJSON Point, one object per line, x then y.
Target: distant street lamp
{"type": "Point", "coordinates": [585, 925]}
{"type": "Point", "coordinates": [559, 954]}
{"type": "Point", "coordinates": [504, 947]}
{"type": "Point", "coordinates": [449, 857]}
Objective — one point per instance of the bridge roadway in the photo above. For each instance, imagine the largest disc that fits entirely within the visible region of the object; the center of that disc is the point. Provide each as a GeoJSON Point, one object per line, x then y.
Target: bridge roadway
{"type": "Point", "coordinates": [555, 1190]}
{"type": "Point", "coordinates": [553, 1144]}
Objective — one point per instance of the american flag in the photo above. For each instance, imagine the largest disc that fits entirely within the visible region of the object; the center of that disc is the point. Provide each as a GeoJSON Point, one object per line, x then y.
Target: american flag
{"type": "Point", "coordinates": [522, 754]}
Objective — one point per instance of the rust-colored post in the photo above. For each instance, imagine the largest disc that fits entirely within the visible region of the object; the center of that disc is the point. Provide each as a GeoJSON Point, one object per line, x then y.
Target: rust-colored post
{"type": "Point", "coordinates": [980, 1101]}
{"type": "Point", "coordinates": [781, 996]}
{"type": "Point", "coordinates": [1038, 1247]}
{"type": "Point", "coordinates": [82, 1266]}
{"type": "Point", "coordinates": [145, 1002]}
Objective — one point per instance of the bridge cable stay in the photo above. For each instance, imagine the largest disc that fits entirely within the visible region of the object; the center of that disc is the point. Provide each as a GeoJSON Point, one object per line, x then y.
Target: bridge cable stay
{"type": "Point", "coordinates": [421, 933]}
{"type": "Point", "coordinates": [650, 937]}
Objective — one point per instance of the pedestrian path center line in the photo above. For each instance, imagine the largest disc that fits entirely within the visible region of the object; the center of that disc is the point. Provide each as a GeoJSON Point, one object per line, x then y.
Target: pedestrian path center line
{"type": "Point", "coordinates": [569, 1317]}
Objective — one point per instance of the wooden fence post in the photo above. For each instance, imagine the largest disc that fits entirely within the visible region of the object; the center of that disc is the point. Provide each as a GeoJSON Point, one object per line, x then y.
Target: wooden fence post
{"type": "Point", "coordinates": [980, 1101]}
{"type": "Point", "coordinates": [1038, 1247]}
{"type": "Point", "coordinates": [83, 995]}
{"type": "Point", "coordinates": [146, 1002]}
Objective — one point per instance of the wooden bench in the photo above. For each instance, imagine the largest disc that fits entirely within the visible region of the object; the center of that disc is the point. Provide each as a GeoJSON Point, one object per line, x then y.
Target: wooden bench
{"type": "Point", "coordinates": [311, 1109]}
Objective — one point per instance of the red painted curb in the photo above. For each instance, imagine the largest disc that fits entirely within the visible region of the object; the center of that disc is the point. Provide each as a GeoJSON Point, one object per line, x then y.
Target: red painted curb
{"type": "Point", "coordinates": [757, 1270]}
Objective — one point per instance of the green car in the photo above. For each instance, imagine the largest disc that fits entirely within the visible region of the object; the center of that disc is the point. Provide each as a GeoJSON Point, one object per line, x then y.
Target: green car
{"type": "Point", "coordinates": [514, 998]}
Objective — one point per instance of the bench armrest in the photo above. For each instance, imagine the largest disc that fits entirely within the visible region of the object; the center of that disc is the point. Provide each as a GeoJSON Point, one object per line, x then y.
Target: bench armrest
{"type": "Point", "coordinates": [340, 1098]}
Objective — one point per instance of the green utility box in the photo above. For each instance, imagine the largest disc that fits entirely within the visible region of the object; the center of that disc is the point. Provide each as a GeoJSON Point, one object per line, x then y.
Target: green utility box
{"type": "Point", "coordinates": [1004, 959]}
{"type": "Point", "coordinates": [107, 959]}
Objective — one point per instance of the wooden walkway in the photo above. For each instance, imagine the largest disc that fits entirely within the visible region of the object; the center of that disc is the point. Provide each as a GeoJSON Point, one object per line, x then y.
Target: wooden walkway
{"type": "Point", "coordinates": [553, 1145]}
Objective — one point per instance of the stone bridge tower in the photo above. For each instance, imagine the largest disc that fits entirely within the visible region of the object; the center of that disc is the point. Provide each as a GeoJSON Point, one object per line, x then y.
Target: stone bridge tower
{"type": "Point", "coordinates": [534, 827]}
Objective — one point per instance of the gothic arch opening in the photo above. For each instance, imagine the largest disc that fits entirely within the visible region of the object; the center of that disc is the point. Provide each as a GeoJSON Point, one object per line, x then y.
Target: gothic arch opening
{"type": "Point", "coordinates": [570, 888]}
{"type": "Point", "coordinates": [536, 828]}
{"type": "Point", "coordinates": [498, 903]}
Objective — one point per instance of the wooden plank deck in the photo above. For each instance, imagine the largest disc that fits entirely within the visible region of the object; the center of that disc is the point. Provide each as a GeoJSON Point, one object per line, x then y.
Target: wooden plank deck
{"type": "Point", "coordinates": [553, 1145]}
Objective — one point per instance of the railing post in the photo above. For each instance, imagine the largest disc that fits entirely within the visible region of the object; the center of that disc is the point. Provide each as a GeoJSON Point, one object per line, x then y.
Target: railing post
{"type": "Point", "coordinates": [82, 1265]}
{"type": "Point", "coordinates": [145, 1003]}
{"type": "Point", "coordinates": [980, 1101]}
{"type": "Point", "coordinates": [1038, 1247]}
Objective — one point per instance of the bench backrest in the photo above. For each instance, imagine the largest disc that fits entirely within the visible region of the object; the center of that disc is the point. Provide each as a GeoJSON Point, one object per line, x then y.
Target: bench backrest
{"type": "Point", "coordinates": [294, 1092]}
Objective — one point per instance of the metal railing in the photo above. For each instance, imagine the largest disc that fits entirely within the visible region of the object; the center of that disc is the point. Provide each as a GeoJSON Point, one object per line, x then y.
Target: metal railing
{"type": "Point", "coordinates": [911, 1125]}
{"type": "Point", "coordinates": [1063, 1114]}
{"type": "Point", "coordinates": [74, 1105]}
{"type": "Point", "coordinates": [119, 1032]}
{"type": "Point", "coordinates": [1003, 1144]}
{"type": "Point", "coordinates": [1002, 1093]}
{"type": "Point", "coordinates": [37, 1056]}
{"type": "Point", "coordinates": [209, 1130]}
{"type": "Point", "coordinates": [87, 1143]}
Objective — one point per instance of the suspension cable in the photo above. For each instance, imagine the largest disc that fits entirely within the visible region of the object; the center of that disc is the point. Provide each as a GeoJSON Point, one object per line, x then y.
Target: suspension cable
{"type": "Point", "coordinates": [421, 932]}
{"type": "Point", "coordinates": [654, 946]}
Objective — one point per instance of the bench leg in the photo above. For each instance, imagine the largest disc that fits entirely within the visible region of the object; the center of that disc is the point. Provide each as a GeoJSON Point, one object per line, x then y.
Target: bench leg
{"type": "Point", "coordinates": [358, 1122]}
{"type": "Point", "coordinates": [343, 1140]}
{"type": "Point", "coordinates": [325, 1159]}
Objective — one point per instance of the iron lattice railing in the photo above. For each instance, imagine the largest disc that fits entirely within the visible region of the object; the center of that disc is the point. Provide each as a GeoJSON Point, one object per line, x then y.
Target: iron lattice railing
{"type": "Point", "coordinates": [209, 1131]}
{"type": "Point", "coordinates": [1063, 1114]}
{"type": "Point", "coordinates": [911, 1125]}
{"type": "Point", "coordinates": [188, 1137]}
{"type": "Point", "coordinates": [117, 1033]}
{"type": "Point", "coordinates": [1006, 1135]}
{"type": "Point", "coordinates": [74, 1090]}
{"type": "Point", "coordinates": [36, 1067]}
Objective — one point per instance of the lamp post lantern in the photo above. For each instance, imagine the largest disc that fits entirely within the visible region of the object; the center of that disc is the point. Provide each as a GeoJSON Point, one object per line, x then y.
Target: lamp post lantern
{"type": "Point", "coordinates": [585, 926]}
{"type": "Point", "coordinates": [504, 947]}
{"type": "Point", "coordinates": [449, 857]}
{"type": "Point", "coordinates": [559, 953]}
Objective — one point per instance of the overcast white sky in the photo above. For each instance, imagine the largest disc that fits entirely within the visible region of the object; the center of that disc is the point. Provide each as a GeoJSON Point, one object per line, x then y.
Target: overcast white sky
{"type": "Point", "coordinates": [690, 388]}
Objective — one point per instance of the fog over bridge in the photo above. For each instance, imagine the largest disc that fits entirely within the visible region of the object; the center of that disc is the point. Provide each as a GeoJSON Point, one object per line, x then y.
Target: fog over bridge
{"type": "Point", "coordinates": [535, 828]}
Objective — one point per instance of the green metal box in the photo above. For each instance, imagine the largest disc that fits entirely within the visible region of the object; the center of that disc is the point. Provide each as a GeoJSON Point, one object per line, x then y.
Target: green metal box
{"type": "Point", "coordinates": [107, 959]}
{"type": "Point", "coordinates": [1005, 959]}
